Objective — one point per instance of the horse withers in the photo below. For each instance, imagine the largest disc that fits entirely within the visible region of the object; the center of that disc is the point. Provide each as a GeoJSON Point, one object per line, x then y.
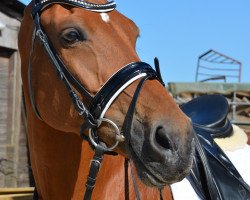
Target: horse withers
{"type": "Point", "coordinates": [87, 50]}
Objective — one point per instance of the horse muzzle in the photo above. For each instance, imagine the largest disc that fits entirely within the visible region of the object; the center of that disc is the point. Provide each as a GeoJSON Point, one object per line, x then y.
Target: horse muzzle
{"type": "Point", "coordinates": [161, 157]}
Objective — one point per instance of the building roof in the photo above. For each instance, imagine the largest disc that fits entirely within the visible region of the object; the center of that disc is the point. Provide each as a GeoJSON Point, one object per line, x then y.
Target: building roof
{"type": "Point", "coordinates": [12, 8]}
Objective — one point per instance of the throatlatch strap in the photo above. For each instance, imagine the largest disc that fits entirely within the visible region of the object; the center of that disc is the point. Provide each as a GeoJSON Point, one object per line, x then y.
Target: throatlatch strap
{"type": "Point", "coordinates": [31, 93]}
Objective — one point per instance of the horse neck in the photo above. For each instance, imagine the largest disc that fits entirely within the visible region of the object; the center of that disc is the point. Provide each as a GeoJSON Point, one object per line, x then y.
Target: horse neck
{"type": "Point", "coordinates": [60, 163]}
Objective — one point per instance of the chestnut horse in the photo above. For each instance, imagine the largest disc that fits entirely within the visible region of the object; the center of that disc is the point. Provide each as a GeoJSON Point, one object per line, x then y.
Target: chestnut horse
{"type": "Point", "coordinates": [146, 138]}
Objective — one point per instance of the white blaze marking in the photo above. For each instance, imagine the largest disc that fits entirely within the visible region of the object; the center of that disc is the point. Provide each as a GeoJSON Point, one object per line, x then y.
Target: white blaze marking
{"type": "Point", "coordinates": [105, 17]}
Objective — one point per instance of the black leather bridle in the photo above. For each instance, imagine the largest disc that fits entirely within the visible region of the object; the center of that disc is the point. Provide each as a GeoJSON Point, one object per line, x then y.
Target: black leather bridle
{"type": "Point", "coordinates": [93, 114]}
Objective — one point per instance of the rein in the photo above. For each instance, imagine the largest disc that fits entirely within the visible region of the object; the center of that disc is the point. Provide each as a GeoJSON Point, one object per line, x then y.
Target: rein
{"type": "Point", "coordinates": [93, 114]}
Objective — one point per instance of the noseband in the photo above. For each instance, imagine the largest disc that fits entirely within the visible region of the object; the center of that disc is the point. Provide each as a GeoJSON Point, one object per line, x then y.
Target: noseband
{"type": "Point", "coordinates": [93, 114]}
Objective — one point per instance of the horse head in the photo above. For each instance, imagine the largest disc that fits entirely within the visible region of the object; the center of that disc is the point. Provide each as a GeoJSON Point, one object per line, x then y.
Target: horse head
{"type": "Point", "coordinates": [94, 46]}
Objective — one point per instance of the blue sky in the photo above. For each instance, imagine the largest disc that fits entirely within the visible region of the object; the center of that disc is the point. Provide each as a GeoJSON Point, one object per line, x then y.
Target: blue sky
{"type": "Point", "coordinates": [177, 32]}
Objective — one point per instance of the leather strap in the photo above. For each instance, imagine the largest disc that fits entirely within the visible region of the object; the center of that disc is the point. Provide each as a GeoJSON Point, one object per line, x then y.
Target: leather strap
{"type": "Point", "coordinates": [95, 165]}
{"type": "Point", "coordinates": [41, 4]}
{"type": "Point", "coordinates": [116, 81]}
{"type": "Point", "coordinates": [213, 177]}
{"type": "Point", "coordinates": [127, 128]}
{"type": "Point", "coordinates": [158, 71]}
{"type": "Point", "coordinates": [35, 195]}
{"type": "Point", "coordinates": [161, 196]}
{"type": "Point", "coordinates": [126, 179]}
{"type": "Point", "coordinates": [79, 105]}
{"type": "Point", "coordinates": [31, 93]}
{"type": "Point", "coordinates": [137, 193]}
{"type": "Point", "coordinates": [211, 191]}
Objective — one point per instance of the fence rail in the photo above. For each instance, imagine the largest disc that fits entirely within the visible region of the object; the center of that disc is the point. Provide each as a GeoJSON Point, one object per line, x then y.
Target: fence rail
{"type": "Point", "coordinates": [16, 193]}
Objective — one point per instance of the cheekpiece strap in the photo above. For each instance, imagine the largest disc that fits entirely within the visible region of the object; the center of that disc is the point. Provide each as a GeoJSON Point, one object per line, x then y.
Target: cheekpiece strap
{"type": "Point", "coordinates": [107, 7]}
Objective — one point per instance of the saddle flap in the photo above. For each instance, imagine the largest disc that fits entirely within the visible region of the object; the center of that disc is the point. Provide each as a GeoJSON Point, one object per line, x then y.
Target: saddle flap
{"type": "Point", "coordinates": [227, 180]}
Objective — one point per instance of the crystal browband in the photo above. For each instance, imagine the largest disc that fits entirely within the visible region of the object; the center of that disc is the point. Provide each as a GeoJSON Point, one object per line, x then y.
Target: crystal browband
{"type": "Point", "coordinates": [107, 7]}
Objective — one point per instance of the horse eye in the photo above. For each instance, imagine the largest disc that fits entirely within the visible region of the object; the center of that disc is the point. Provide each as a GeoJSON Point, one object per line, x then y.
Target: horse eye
{"type": "Point", "coordinates": [71, 36]}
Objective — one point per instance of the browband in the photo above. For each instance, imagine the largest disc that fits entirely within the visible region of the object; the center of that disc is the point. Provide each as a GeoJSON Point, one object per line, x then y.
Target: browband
{"type": "Point", "coordinates": [41, 4]}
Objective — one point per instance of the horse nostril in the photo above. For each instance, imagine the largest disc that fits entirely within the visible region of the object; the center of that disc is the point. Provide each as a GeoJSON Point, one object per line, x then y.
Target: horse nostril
{"type": "Point", "coordinates": [161, 138]}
